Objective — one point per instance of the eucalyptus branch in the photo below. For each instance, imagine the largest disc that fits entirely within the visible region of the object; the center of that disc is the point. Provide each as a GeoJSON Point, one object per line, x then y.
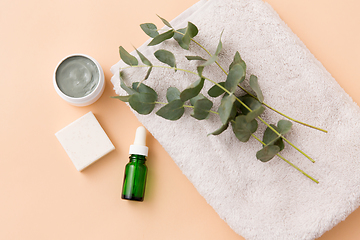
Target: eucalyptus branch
{"type": "Point", "coordinates": [239, 112]}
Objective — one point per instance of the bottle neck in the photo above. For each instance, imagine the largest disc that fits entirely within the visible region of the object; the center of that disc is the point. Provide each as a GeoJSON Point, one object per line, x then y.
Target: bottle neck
{"type": "Point", "coordinates": [137, 158]}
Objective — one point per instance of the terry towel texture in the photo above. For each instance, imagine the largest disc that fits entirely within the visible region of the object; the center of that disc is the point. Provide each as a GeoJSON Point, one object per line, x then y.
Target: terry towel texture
{"type": "Point", "coordinates": [261, 200]}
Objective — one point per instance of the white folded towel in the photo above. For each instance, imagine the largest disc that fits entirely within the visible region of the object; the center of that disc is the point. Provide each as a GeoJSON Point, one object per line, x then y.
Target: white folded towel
{"type": "Point", "coordinates": [261, 200]}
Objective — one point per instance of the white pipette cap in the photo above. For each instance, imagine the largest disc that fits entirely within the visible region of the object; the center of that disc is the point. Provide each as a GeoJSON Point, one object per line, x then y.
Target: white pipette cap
{"type": "Point", "coordinates": [139, 147]}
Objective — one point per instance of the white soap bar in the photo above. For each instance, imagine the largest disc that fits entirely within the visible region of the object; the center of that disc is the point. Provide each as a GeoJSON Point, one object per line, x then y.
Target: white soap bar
{"type": "Point", "coordinates": [84, 141]}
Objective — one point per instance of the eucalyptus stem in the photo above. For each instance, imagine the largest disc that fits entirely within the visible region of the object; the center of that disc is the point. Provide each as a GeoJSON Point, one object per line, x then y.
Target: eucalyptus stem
{"type": "Point", "coordinates": [237, 99]}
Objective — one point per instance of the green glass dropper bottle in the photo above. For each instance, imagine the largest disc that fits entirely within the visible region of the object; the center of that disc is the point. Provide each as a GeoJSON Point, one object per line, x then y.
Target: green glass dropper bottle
{"type": "Point", "coordinates": [136, 170]}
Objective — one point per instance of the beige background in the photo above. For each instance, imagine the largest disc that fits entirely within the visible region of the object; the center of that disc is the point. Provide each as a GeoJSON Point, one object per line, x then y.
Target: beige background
{"type": "Point", "coordinates": [43, 196]}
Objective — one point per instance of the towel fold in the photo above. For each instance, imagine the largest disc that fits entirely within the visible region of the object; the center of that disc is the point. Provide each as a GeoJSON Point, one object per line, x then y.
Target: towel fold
{"type": "Point", "coordinates": [260, 200]}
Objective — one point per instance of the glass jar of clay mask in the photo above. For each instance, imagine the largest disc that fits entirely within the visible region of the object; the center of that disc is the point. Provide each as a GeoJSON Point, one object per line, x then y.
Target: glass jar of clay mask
{"type": "Point", "coordinates": [79, 79]}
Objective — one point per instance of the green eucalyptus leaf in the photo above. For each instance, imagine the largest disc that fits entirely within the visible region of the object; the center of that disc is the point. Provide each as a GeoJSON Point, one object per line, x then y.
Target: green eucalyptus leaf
{"type": "Point", "coordinates": [172, 111]}
{"type": "Point", "coordinates": [143, 58]}
{"type": "Point", "coordinates": [238, 60]}
{"type": "Point", "coordinates": [122, 98]}
{"type": "Point", "coordinates": [191, 31]}
{"type": "Point", "coordinates": [127, 57]}
{"type": "Point", "coordinates": [267, 153]}
{"type": "Point", "coordinates": [198, 97]}
{"type": "Point", "coordinates": [254, 84]}
{"type": "Point", "coordinates": [284, 126]}
{"type": "Point", "coordinates": [190, 58]}
{"type": "Point", "coordinates": [164, 21]}
{"type": "Point", "coordinates": [235, 76]}
{"type": "Point", "coordinates": [210, 61]}
{"type": "Point", "coordinates": [270, 137]}
{"type": "Point", "coordinates": [123, 85]}
{"type": "Point", "coordinates": [254, 114]}
{"type": "Point", "coordinates": [166, 57]}
{"type": "Point", "coordinates": [280, 144]}
{"type": "Point", "coordinates": [219, 46]}
{"type": "Point", "coordinates": [193, 90]}
{"type": "Point", "coordinates": [200, 70]}
{"type": "Point", "coordinates": [220, 130]}
{"type": "Point", "coordinates": [244, 129]}
{"type": "Point", "coordinates": [216, 91]}
{"type": "Point", "coordinates": [150, 29]}
{"type": "Point", "coordinates": [143, 103]}
{"type": "Point", "coordinates": [142, 88]}
{"type": "Point", "coordinates": [251, 102]}
{"type": "Point", "coordinates": [178, 37]}
{"type": "Point", "coordinates": [172, 93]}
{"type": "Point", "coordinates": [148, 73]}
{"type": "Point", "coordinates": [226, 107]}
{"type": "Point", "coordinates": [202, 108]}
{"type": "Point", "coordinates": [162, 37]}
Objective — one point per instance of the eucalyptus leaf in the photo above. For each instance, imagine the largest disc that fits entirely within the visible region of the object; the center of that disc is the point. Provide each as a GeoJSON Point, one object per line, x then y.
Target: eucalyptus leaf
{"type": "Point", "coordinates": [165, 21]}
{"type": "Point", "coordinates": [280, 144]}
{"type": "Point", "coordinates": [143, 103]}
{"type": "Point", "coordinates": [150, 29]}
{"type": "Point", "coordinates": [250, 102]}
{"type": "Point", "coordinates": [267, 153]}
{"type": "Point", "coordinates": [162, 37]}
{"type": "Point", "coordinates": [244, 129]}
{"type": "Point", "coordinates": [123, 85]}
{"type": "Point", "coordinates": [235, 76]}
{"type": "Point", "coordinates": [148, 73]}
{"type": "Point", "coordinates": [172, 93]}
{"type": "Point", "coordinates": [193, 90]}
{"type": "Point", "coordinates": [127, 57]}
{"type": "Point", "coordinates": [254, 114]}
{"type": "Point", "coordinates": [172, 111]}
{"type": "Point", "coordinates": [219, 46]}
{"type": "Point", "coordinates": [143, 58]}
{"type": "Point", "coordinates": [220, 130]}
{"type": "Point", "coordinates": [284, 126]}
{"type": "Point", "coordinates": [198, 97]}
{"type": "Point", "coordinates": [190, 58]}
{"type": "Point", "coordinates": [122, 98]}
{"type": "Point", "coordinates": [166, 57]}
{"type": "Point", "coordinates": [270, 137]}
{"type": "Point", "coordinates": [202, 108]}
{"type": "Point", "coordinates": [200, 70]}
{"type": "Point", "coordinates": [254, 84]}
{"type": "Point", "coordinates": [216, 91]}
{"type": "Point", "coordinates": [238, 60]}
{"type": "Point", "coordinates": [142, 88]}
{"type": "Point", "coordinates": [191, 31]}
{"type": "Point", "coordinates": [210, 61]}
{"type": "Point", "coordinates": [226, 107]}
{"type": "Point", "coordinates": [178, 37]}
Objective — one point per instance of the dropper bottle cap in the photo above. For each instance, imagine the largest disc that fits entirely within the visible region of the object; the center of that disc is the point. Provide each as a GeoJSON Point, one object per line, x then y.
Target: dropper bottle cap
{"type": "Point", "coordinates": [139, 147]}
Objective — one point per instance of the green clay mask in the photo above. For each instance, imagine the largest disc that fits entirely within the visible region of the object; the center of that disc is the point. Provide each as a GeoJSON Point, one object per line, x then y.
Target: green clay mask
{"type": "Point", "coordinates": [77, 76]}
